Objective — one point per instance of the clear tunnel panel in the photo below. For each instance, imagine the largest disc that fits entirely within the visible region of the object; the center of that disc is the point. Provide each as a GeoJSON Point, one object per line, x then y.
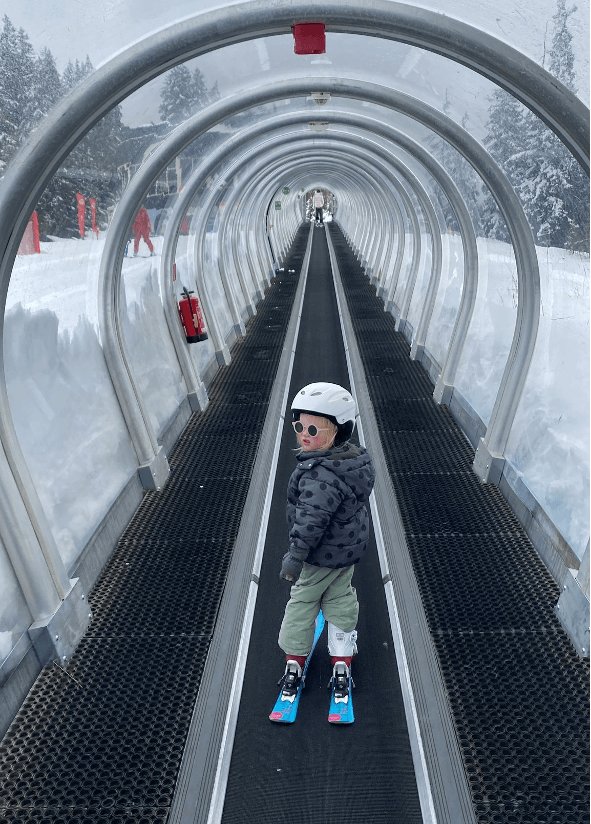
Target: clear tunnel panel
{"type": "Point", "coordinates": [68, 419]}
{"type": "Point", "coordinates": [549, 445]}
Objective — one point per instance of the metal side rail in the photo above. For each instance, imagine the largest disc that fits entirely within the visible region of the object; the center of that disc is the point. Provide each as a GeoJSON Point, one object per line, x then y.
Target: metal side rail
{"type": "Point", "coordinates": [473, 595]}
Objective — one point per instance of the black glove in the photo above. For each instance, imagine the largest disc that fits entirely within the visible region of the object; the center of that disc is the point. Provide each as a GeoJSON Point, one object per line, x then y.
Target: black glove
{"type": "Point", "coordinates": [290, 568]}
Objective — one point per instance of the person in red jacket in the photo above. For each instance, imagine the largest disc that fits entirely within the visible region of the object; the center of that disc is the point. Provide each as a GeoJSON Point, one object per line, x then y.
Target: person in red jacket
{"type": "Point", "coordinates": [141, 228]}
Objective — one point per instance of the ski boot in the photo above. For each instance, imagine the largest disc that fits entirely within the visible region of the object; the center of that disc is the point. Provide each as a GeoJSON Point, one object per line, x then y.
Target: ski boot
{"type": "Point", "coordinates": [341, 644]}
{"type": "Point", "coordinates": [290, 681]}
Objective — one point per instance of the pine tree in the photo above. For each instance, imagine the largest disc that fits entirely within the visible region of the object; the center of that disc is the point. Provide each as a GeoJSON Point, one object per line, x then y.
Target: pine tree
{"type": "Point", "coordinates": [554, 189]}
{"type": "Point", "coordinates": [178, 95]}
{"type": "Point", "coordinates": [505, 142]}
{"type": "Point", "coordinates": [214, 93]}
{"type": "Point", "coordinates": [89, 169]}
{"type": "Point", "coordinates": [461, 173]}
{"type": "Point", "coordinates": [48, 85]}
{"type": "Point", "coordinates": [27, 78]}
{"type": "Point", "coordinates": [17, 74]}
{"type": "Point", "coordinates": [184, 94]}
{"type": "Point", "coordinates": [576, 192]}
{"type": "Point", "coordinates": [9, 115]}
{"type": "Point", "coordinates": [201, 96]}
{"type": "Point", "coordinates": [562, 59]}
{"type": "Point", "coordinates": [71, 76]}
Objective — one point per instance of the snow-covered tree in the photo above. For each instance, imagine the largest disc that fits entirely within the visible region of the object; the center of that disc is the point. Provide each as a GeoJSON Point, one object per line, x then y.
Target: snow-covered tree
{"type": "Point", "coordinates": [48, 85]}
{"type": "Point", "coordinates": [562, 59]}
{"type": "Point", "coordinates": [461, 173]}
{"type": "Point", "coordinates": [17, 76]}
{"type": "Point", "coordinates": [177, 96]}
{"type": "Point", "coordinates": [554, 189]}
{"type": "Point", "coordinates": [551, 184]}
{"type": "Point", "coordinates": [91, 168]}
{"type": "Point", "coordinates": [214, 93]}
{"type": "Point", "coordinates": [30, 86]}
{"type": "Point", "coordinates": [574, 179]}
{"type": "Point", "coordinates": [202, 96]}
{"type": "Point", "coordinates": [505, 142]}
{"type": "Point", "coordinates": [75, 72]}
{"type": "Point", "coordinates": [184, 94]}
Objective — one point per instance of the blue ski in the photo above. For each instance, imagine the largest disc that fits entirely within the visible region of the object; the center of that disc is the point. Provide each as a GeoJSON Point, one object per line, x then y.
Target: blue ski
{"type": "Point", "coordinates": [341, 706]}
{"type": "Point", "coordinates": [285, 711]}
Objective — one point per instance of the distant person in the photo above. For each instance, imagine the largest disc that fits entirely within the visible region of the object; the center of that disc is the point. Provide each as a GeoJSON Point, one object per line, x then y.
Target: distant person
{"type": "Point", "coordinates": [318, 203]}
{"type": "Point", "coordinates": [141, 229]}
{"type": "Point", "coordinates": [328, 524]}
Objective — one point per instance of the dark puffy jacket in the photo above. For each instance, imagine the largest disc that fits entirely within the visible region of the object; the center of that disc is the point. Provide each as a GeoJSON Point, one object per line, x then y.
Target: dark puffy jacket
{"type": "Point", "coordinates": [326, 506]}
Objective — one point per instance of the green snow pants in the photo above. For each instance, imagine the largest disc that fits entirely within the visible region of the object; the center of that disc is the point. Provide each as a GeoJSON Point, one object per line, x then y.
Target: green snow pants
{"type": "Point", "coordinates": [317, 588]}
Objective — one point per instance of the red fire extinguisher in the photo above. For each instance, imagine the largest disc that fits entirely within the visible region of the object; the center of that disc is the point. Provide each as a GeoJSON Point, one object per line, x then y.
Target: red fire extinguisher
{"type": "Point", "coordinates": [191, 317]}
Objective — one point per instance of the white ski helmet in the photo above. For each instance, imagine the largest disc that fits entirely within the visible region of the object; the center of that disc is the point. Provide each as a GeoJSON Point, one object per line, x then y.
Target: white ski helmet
{"type": "Point", "coordinates": [328, 400]}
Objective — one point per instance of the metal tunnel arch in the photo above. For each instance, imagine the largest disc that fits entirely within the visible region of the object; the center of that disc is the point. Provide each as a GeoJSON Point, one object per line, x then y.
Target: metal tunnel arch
{"type": "Point", "coordinates": [489, 457]}
{"type": "Point", "coordinates": [155, 462]}
{"type": "Point", "coordinates": [471, 263]}
{"type": "Point", "coordinates": [43, 152]}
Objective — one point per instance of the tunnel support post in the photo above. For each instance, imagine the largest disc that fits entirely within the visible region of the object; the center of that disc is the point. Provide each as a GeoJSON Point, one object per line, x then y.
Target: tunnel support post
{"type": "Point", "coordinates": [153, 465]}
{"type": "Point", "coordinates": [572, 608]}
{"type": "Point", "coordinates": [56, 603]}
{"type": "Point", "coordinates": [196, 391]}
{"type": "Point", "coordinates": [418, 344]}
{"type": "Point", "coordinates": [393, 270]}
{"type": "Point", "coordinates": [226, 227]}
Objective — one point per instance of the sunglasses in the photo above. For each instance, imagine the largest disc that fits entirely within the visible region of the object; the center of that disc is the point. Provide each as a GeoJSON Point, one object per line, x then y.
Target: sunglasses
{"type": "Point", "coordinates": [312, 430]}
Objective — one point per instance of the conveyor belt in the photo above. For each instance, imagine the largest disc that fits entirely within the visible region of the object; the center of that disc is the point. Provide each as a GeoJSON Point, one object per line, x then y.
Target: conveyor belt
{"type": "Point", "coordinates": [103, 742]}
{"type": "Point", "coordinates": [518, 692]}
{"type": "Point", "coordinates": [311, 771]}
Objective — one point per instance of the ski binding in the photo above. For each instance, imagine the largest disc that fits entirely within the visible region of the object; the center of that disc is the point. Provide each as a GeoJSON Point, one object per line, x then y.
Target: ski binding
{"type": "Point", "coordinates": [341, 699]}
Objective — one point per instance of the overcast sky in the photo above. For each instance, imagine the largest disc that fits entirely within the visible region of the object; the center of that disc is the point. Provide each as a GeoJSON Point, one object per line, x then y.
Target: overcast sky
{"type": "Point", "coordinates": [73, 29]}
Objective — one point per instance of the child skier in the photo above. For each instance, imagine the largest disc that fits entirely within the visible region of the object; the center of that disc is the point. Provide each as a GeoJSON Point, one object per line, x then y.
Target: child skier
{"type": "Point", "coordinates": [328, 531]}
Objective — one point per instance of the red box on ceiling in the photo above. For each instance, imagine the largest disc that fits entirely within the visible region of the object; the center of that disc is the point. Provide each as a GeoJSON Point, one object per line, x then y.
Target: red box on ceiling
{"type": "Point", "coordinates": [309, 38]}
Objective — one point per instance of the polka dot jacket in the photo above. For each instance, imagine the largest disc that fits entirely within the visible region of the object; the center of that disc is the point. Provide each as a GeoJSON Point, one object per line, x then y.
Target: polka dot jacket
{"type": "Point", "coordinates": [327, 513]}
